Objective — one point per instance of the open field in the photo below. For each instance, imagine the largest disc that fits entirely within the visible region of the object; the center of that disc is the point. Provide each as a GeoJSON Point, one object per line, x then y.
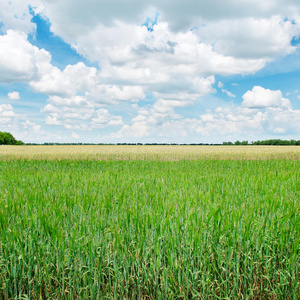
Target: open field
{"type": "Point", "coordinates": [171, 153]}
{"type": "Point", "coordinates": [206, 229]}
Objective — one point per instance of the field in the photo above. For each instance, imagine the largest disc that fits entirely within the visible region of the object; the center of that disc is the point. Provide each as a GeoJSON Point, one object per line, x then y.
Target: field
{"type": "Point", "coordinates": [169, 153]}
{"type": "Point", "coordinates": [114, 222]}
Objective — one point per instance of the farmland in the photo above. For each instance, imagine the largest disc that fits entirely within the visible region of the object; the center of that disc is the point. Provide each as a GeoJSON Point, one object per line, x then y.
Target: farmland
{"type": "Point", "coordinates": [109, 222]}
{"type": "Point", "coordinates": [169, 153]}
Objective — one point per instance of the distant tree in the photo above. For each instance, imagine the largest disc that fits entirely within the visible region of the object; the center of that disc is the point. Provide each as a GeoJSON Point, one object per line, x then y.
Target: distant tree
{"type": "Point", "coordinates": [271, 142]}
{"type": "Point", "coordinates": [7, 138]}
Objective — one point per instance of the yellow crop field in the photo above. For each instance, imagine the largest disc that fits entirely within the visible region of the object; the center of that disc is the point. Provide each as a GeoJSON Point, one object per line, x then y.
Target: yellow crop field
{"type": "Point", "coordinates": [148, 152]}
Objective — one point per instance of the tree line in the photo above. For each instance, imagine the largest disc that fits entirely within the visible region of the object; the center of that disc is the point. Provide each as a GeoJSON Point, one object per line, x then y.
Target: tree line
{"type": "Point", "coordinates": [271, 142]}
{"type": "Point", "coordinates": [7, 138]}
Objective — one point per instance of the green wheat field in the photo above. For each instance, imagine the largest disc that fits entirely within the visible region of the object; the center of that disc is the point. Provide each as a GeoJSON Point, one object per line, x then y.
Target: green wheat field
{"type": "Point", "coordinates": [212, 223]}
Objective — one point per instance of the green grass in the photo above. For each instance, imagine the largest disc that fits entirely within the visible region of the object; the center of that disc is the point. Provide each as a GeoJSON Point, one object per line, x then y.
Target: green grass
{"type": "Point", "coordinates": [150, 229]}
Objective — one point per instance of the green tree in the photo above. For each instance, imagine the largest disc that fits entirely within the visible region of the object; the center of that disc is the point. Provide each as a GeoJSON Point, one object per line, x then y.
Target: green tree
{"type": "Point", "coordinates": [7, 138]}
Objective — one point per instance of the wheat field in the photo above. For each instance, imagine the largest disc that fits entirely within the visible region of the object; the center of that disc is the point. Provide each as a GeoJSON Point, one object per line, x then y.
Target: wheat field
{"type": "Point", "coordinates": [146, 152]}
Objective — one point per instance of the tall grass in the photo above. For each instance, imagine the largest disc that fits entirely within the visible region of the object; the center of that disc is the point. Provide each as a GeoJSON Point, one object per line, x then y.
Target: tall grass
{"type": "Point", "coordinates": [149, 230]}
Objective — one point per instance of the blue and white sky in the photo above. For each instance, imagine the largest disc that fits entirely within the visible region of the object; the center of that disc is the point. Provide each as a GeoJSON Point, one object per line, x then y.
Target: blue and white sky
{"type": "Point", "coordinates": [192, 71]}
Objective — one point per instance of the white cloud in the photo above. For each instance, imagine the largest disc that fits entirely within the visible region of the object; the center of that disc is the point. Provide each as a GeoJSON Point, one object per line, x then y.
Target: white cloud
{"type": "Point", "coordinates": [283, 121]}
{"type": "Point", "coordinates": [203, 85]}
{"type": "Point", "coordinates": [78, 113]}
{"type": "Point", "coordinates": [136, 55]}
{"type": "Point", "coordinates": [69, 112]}
{"type": "Point", "coordinates": [134, 61]}
{"type": "Point", "coordinates": [233, 120]}
{"type": "Point", "coordinates": [13, 96]}
{"type": "Point", "coordinates": [77, 102]}
{"type": "Point", "coordinates": [16, 15]}
{"type": "Point", "coordinates": [104, 119]}
{"type": "Point", "coordinates": [6, 110]}
{"type": "Point", "coordinates": [149, 119]}
{"type": "Point", "coordinates": [251, 37]}
{"type": "Point", "coordinates": [52, 119]}
{"type": "Point", "coordinates": [75, 135]}
{"type": "Point", "coordinates": [73, 79]}
{"type": "Point", "coordinates": [70, 21]}
{"type": "Point", "coordinates": [180, 99]}
{"type": "Point", "coordinates": [260, 97]}
{"type": "Point", "coordinates": [19, 60]}
{"type": "Point", "coordinates": [110, 94]}
{"type": "Point", "coordinates": [32, 126]}
{"type": "Point", "coordinates": [238, 38]}
{"type": "Point", "coordinates": [160, 122]}
{"type": "Point", "coordinates": [229, 94]}
{"type": "Point", "coordinates": [220, 84]}
{"type": "Point", "coordinates": [7, 114]}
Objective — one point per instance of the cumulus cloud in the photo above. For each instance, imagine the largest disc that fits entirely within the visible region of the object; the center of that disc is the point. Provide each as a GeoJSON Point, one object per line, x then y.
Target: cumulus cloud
{"type": "Point", "coordinates": [32, 126]}
{"type": "Point", "coordinates": [170, 55]}
{"type": "Point", "coordinates": [104, 119]}
{"type": "Point", "coordinates": [75, 135]}
{"type": "Point", "coordinates": [231, 122]}
{"type": "Point", "coordinates": [111, 94]}
{"type": "Point", "coordinates": [73, 79]}
{"type": "Point", "coordinates": [78, 113]}
{"type": "Point", "coordinates": [7, 114]}
{"type": "Point", "coordinates": [19, 60]}
{"type": "Point", "coordinates": [149, 119]}
{"type": "Point", "coordinates": [64, 15]}
{"type": "Point", "coordinates": [13, 96]}
{"type": "Point", "coordinates": [260, 97]}
{"type": "Point", "coordinates": [251, 37]}
{"type": "Point", "coordinates": [136, 55]}
{"type": "Point", "coordinates": [16, 15]}
{"type": "Point", "coordinates": [68, 111]}
{"type": "Point", "coordinates": [283, 121]}
{"type": "Point", "coordinates": [77, 102]}
{"type": "Point", "coordinates": [52, 119]}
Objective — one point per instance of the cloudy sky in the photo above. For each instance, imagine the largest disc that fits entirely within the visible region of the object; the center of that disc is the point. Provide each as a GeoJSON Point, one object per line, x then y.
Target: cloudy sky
{"type": "Point", "coordinates": [150, 71]}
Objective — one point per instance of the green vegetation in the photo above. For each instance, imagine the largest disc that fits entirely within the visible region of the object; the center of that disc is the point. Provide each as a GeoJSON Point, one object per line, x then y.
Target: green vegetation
{"type": "Point", "coordinates": [272, 142]}
{"type": "Point", "coordinates": [150, 229]}
{"type": "Point", "coordinates": [7, 138]}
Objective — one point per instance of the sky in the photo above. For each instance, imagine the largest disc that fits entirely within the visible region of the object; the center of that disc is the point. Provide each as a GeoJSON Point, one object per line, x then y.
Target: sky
{"type": "Point", "coordinates": [192, 71]}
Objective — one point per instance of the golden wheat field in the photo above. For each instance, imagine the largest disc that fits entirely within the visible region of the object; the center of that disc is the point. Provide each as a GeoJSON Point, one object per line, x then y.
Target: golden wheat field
{"type": "Point", "coordinates": [148, 152]}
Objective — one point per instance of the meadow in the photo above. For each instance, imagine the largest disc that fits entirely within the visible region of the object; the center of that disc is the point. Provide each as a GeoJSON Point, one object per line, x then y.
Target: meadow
{"type": "Point", "coordinates": [80, 223]}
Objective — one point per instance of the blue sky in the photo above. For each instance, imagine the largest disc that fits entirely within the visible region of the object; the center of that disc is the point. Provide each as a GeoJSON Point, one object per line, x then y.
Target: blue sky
{"type": "Point", "coordinates": [126, 71]}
